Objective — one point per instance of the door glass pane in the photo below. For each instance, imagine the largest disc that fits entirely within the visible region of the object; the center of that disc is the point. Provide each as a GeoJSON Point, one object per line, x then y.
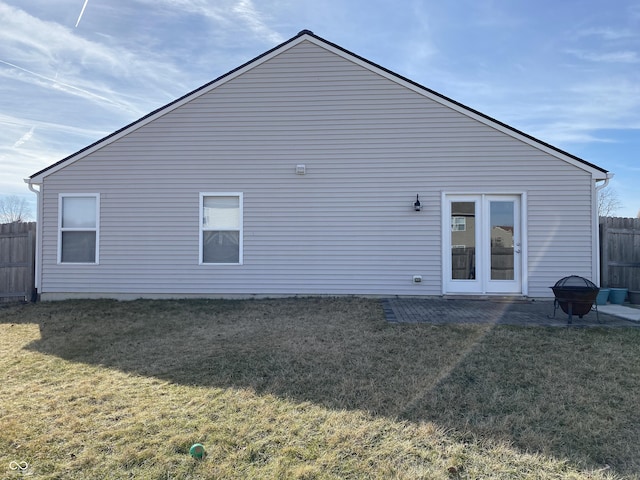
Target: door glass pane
{"type": "Point", "coordinates": [502, 240]}
{"type": "Point", "coordinates": [463, 240]}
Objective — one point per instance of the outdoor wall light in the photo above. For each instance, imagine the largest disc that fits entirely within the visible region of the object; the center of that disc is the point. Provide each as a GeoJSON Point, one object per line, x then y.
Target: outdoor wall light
{"type": "Point", "coordinates": [416, 206]}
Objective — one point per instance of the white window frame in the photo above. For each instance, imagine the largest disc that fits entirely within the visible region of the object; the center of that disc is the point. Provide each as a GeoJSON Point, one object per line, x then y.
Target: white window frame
{"type": "Point", "coordinates": [202, 229]}
{"type": "Point", "coordinates": [455, 223]}
{"type": "Point", "coordinates": [96, 229]}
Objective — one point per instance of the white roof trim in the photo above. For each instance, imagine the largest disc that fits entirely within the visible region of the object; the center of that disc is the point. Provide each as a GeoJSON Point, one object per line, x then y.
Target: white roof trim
{"type": "Point", "coordinates": [596, 173]}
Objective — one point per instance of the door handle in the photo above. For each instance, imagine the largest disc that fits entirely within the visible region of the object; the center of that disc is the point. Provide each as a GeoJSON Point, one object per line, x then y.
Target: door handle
{"type": "Point", "coordinates": [517, 251]}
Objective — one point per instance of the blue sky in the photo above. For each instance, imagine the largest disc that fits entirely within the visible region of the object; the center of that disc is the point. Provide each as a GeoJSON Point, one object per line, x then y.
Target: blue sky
{"type": "Point", "coordinates": [566, 72]}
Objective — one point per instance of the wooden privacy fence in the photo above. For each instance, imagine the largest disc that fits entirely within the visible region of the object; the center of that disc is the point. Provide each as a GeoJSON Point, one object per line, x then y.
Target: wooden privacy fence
{"type": "Point", "coordinates": [17, 261]}
{"type": "Point", "coordinates": [620, 252]}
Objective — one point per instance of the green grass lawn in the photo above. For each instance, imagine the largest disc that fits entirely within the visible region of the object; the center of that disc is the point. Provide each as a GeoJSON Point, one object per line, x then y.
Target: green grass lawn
{"type": "Point", "coordinates": [308, 388]}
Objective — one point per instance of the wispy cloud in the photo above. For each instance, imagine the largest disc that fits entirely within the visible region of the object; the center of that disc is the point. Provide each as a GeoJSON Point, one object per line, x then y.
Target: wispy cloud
{"type": "Point", "coordinates": [627, 56]}
{"type": "Point", "coordinates": [20, 123]}
{"type": "Point", "coordinates": [491, 15]}
{"type": "Point", "coordinates": [584, 111]}
{"type": "Point", "coordinates": [25, 138]}
{"type": "Point", "coordinates": [247, 12]}
{"type": "Point", "coordinates": [41, 145]}
{"type": "Point", "coordinates": [563, 112]}
{"type": "Point", "coordinates": [229, 14]}
{"type": "Point", "coordinates": [608, 33]}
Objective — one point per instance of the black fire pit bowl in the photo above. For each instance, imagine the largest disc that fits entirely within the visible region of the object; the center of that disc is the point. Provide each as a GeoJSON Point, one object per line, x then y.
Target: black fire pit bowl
{"type": "Point", "coordinates": [575, 296]}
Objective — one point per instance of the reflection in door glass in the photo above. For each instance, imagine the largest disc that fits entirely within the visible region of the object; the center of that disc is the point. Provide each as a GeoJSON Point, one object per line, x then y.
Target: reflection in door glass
{"type": "Point", "coordinates": [502, 231]}
{"type": "Point", "coordinates": [463, 240]}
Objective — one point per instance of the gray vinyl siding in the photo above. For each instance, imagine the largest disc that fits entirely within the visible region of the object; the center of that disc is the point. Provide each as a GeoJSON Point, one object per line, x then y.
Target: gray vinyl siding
{"type": "Point", "coordinates": [346, 227]}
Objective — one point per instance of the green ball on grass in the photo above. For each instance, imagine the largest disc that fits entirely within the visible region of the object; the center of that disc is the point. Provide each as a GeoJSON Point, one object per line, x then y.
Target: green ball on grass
{"type": "Point", "coordinates": [197, 451]}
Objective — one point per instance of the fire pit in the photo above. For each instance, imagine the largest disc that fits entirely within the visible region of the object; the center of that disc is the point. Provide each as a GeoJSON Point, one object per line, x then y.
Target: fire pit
{"type": "Point", "coordinates": [575, 295]}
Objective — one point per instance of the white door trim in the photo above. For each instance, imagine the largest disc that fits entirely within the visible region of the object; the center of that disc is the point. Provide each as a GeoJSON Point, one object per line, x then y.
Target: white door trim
{"type": "Point", "coordinates": [479, 286]}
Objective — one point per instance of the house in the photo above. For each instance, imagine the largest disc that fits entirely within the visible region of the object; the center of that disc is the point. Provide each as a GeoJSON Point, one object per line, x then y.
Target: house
{"type": "Point", "coordinates": [312, 171]}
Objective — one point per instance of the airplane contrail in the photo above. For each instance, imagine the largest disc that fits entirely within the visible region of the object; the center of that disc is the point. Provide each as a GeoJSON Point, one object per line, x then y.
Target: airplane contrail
{"type": "Point", "coordinates": [65, 86]}
{"type": "Point", "coordinates": [81, 12]}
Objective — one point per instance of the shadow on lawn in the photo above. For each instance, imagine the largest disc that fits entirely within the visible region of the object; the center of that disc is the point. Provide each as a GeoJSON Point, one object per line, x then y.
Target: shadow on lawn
{"type": "Point", "coordinates": [561, 392]}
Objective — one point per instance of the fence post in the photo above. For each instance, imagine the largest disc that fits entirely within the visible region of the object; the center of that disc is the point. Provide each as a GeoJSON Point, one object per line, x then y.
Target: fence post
{"type": "Point", "coordinates": [30, 287]}
{"type": "Point", "coordinates": [604, 252]}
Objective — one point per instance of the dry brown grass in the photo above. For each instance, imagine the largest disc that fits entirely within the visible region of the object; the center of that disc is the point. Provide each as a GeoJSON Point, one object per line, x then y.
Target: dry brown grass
{"type": "Point", "coordinates": [308, 388]}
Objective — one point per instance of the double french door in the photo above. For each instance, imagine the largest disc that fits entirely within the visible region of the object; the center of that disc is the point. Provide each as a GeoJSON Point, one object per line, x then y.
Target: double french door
{"type": "Point", "coordinates": [483, 245]}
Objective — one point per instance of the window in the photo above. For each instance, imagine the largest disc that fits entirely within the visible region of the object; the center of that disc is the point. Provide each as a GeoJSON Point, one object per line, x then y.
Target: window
{"type": "Point", "coordinates": [78, 228]}
{"type": "Point", "coordinates": [458, 224]}
{"type": "Point", "coordinates": [221, 228]}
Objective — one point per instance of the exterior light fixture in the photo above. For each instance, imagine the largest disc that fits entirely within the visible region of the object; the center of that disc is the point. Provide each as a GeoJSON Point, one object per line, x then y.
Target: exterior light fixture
{"type": "Point", "coordinates": [416, 206]}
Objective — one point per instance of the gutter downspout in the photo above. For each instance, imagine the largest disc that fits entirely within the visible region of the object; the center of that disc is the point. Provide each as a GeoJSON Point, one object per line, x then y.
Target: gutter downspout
{"type": "Point", "coordinates": [38, 262]}
{"type": "Point", "coordinates": [596, 220]}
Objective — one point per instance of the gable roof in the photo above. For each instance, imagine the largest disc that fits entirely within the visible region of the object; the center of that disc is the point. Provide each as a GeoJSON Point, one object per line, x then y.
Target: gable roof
{"type": "Point", "coordinates": [597, 172]}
